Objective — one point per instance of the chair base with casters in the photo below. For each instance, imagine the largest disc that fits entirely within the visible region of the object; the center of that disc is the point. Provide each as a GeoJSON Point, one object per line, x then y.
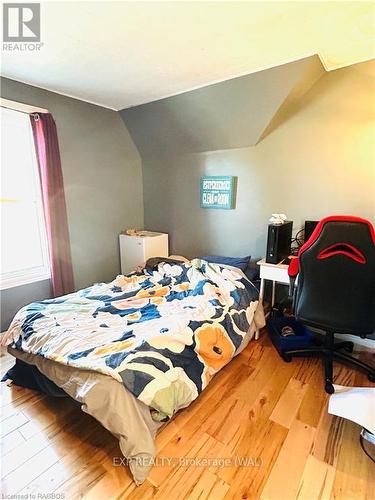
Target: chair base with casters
{"type": "Point", "coordinates": [330, 352]}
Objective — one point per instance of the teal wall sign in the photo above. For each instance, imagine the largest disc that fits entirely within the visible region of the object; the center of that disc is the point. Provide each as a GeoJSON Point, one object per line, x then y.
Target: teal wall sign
{"type": "Point", "coordinates": [217, 191]}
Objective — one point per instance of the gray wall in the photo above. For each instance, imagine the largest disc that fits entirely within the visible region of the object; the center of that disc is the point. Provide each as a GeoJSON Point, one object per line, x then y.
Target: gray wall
{"type": "Point", "coordinates": [14, 298]}
{"type": "Point", "coordinates": [225, 115]}
{"type": "Point", "coordinates": [103, 186]}
{"type": "Point", "coordinates": [318, 161]}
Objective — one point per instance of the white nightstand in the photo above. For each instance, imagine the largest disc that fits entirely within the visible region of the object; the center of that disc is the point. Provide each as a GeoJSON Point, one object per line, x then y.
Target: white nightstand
{"type": "Point", "coordinates": [277, 273]}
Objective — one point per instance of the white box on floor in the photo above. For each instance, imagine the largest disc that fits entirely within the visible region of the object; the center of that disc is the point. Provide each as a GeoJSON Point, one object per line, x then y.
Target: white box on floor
{"type": "Point", "coordinates": [134, 250]}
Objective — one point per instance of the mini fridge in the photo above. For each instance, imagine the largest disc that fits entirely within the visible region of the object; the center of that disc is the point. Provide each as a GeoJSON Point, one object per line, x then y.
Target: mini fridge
{"type": "Point", "coordinates": [135, 250]}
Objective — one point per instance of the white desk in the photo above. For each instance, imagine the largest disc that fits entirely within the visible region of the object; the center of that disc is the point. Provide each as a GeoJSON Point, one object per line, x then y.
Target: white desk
{"type": "Point", "coordinates": [277, 273]}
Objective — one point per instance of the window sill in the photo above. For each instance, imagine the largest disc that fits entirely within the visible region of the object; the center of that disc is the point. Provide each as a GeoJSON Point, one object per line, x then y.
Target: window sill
{"type": "Point", "coordinates": [13, 282]}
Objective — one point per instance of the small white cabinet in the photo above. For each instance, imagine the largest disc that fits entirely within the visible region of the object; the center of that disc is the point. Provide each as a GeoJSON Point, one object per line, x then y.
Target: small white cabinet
{"type": "Point", "coordinates": [134, 250]}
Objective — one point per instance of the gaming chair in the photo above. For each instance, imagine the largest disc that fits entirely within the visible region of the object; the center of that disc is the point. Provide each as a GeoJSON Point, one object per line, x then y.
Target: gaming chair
{"type": "Point", "coordinates": [336, 289]}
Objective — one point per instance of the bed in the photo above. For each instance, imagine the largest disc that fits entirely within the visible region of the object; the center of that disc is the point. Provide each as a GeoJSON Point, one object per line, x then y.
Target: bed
{"type": "Point", "coordinates": [139, 349]}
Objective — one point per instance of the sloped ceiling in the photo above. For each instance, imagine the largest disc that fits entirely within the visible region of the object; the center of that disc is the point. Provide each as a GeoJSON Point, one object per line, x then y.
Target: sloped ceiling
{"type": "Point", "coordinates": [121, 54]}
{"type": "Point", "coordinates": [313, 71]}
{"type": "Point", "coordinates": [231, 114]}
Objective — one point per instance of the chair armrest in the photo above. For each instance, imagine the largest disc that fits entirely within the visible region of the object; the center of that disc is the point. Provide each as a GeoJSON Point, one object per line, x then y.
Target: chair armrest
{"type": "Point", "coordinates": [293, 268]}
{"type": "Point", "coordinates": [293, 271]}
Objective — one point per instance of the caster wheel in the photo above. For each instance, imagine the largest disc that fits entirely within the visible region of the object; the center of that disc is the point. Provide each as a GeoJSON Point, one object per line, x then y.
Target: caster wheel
{"type": "Point", "coordinates": [329, 388]}
{"type": "Point", "coordinates": [287, 358]}
{"type": "Point", "coordinates": [371, 377]}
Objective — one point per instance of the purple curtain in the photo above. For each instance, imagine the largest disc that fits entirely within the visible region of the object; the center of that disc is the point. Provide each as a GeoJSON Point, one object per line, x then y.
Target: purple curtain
{"type": "Point", "coordinates": [52, 185]}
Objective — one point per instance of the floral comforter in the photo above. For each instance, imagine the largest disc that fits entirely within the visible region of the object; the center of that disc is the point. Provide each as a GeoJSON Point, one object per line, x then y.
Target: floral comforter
{"type": "Point", "coordinates": [162, 333]}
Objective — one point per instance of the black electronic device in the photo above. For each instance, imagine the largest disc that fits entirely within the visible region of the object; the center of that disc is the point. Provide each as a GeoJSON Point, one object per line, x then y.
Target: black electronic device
{"type": "Point", "coordinates": [310, 225]}
{"type": "Point", "coordinates": [278, 242]}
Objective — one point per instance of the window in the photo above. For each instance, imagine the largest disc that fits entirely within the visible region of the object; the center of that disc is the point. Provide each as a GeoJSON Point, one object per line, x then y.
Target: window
{"type": "Point", "coordinates": [24, 251]}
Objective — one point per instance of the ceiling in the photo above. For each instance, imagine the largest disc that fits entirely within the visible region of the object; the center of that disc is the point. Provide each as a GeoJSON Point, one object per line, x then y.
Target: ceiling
{"type": "Point", "coordinates": [121, 54]}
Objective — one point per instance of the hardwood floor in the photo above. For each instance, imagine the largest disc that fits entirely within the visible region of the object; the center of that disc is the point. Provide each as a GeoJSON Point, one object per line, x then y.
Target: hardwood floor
{"type": "Point", "coordinates": [268, 420]}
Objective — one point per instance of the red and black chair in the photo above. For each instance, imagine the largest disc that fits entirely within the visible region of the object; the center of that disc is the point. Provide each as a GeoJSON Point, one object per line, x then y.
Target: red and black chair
{"type": "Point", "coordinates": [336, 289]}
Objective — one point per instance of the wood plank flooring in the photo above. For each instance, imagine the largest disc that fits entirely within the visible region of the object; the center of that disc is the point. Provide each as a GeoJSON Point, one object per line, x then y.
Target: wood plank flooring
{"type": "Point", "coordinates": [260, 431]}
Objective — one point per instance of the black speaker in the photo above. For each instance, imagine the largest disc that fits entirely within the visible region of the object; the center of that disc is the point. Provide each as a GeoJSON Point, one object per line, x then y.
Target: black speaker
{"type": "Point", "coordinates": [278, 242]}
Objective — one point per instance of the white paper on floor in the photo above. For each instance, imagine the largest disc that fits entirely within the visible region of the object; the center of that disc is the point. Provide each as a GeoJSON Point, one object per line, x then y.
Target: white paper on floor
{"type": "Point", "coordinates": [354, 403]}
